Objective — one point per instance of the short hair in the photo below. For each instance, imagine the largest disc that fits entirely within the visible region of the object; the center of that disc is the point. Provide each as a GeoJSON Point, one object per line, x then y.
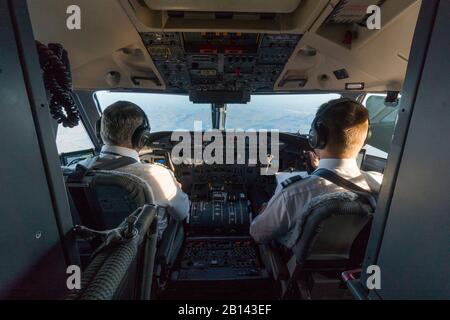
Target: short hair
{"type": "Point", "coordinates": [119, 122]}
{"type": "Point", "coordinates": [347, 125]}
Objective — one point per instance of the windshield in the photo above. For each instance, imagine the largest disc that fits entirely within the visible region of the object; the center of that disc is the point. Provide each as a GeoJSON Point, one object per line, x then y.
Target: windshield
{"type": "Point", "coordinates": [287, 112]}
{"type": "Point", "coordinates": [166, 112]}
{"type": "Point", "coordinates": [73, 139]}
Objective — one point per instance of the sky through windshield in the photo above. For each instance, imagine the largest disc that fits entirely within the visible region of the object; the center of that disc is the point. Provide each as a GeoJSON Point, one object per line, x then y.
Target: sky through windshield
{"type": "Point", "coordinates": [287, 113]}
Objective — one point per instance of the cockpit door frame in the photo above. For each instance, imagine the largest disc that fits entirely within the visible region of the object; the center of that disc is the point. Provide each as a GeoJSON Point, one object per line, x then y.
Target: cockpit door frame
{"type": "Point", "coordinates": [396, 197]}
{"type": "Point", "coordinates": [37, 243]}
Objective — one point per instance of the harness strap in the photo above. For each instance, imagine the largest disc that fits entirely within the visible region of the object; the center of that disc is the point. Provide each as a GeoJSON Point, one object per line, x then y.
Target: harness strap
{"type": "Point", "coordinates": [333, 177]}
{"type": "Point", "coordinates": [97, 163]}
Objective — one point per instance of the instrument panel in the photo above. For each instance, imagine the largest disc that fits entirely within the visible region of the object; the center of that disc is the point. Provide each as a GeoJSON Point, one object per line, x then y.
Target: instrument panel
{"type": "Point", "coordinates": [225, 197]}
{"type": "Point", "coordinates": [291, 148]}
{"type": "Point", "coordinates": [224, 200]}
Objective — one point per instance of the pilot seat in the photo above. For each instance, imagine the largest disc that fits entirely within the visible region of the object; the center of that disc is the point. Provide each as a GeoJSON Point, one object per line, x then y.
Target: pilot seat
{"type": "Point", "coordinates": [332, 240]}
{"type": "Point", "coordinates": [101, 198]}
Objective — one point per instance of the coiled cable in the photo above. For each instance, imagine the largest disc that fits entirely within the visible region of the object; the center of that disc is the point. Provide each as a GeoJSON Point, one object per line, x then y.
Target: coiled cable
{"type": "Point", "coordinates": [54, 61]}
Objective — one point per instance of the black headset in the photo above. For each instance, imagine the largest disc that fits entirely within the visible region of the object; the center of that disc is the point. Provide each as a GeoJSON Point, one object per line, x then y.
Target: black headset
{"type": "Point", "coordinates": [140, 136]}
{"type": "Point", "coordinates": [318, 133]}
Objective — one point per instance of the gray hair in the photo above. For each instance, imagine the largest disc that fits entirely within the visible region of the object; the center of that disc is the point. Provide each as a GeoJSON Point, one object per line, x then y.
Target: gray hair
{"type": "Point", "coordinates": [119, 121]}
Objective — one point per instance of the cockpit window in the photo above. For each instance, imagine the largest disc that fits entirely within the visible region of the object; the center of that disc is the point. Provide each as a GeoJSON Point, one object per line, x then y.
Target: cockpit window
{"type": "Point", "coordinates": [285, 112]}
{"type": "Point", "coordinates": [166, 112]}
{"type": "Point", "coordinates": [383, 118]}
{"type": "Point", "coordinates": [73, 139]}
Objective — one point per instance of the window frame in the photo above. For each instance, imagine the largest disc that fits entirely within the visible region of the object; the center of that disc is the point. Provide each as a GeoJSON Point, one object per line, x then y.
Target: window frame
{"type": "Point", "coordinates": [380, 116]}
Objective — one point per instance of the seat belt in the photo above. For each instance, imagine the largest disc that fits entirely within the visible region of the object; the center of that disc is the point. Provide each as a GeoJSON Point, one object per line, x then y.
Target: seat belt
{"type": "Point", "coordinates": [333, 177]}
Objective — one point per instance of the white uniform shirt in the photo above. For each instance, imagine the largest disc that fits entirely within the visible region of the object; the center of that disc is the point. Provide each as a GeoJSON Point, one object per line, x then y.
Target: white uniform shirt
{"type": "Point", "coordinates": [166, 189]}
{"type": "Point", "coordinates": [287, 206]}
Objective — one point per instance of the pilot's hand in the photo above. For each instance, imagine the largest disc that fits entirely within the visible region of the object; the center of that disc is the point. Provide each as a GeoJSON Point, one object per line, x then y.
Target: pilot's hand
{"type": "Point", "coordinates": [313, 160]}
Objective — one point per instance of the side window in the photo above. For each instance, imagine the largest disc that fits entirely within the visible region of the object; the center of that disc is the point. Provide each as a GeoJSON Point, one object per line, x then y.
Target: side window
{"type": "Point", "coordinates": [382, 122]}
{"type": "Point", "coordinates": [375, 104]}
{"type": "Point", "coordinates": [391, 117]}
{"type": "Point", "coordinates": [73, 139]}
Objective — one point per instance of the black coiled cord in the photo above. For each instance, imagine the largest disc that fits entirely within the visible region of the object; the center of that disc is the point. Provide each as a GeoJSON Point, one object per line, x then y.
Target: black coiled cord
{"type": "Point", "coordinates": [54, 62]}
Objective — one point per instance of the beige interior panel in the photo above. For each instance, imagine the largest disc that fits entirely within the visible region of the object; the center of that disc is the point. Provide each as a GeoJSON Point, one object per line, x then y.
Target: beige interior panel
{"type": "Point", "coordinates": [147, 19]}
{"type": "Point", "coordinates": [282, 6]}
{"type": "Point", "coordinates": [92, 50]}
{"type": "Point", "coordinates": [109, 41]}
{"type": "Point", "coordinates": [380, 62]}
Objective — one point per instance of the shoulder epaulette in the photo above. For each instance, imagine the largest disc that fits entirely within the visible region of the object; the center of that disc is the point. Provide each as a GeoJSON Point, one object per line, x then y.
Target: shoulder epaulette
{"type": "Point", "coordinates": [161, 165]}
{"type": "Point", "coordinates": [286, 183]}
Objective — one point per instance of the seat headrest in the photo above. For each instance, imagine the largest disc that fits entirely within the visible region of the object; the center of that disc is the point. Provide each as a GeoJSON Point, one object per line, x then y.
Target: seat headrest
{"type": "Point", "coordinates": [104, 197]}
{"type": "Point", "coordinates": [131, 183]}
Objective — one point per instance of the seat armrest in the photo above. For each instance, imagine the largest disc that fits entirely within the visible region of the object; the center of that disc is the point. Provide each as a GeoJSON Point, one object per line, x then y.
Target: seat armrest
{"type": "Point", "coordinates": [273, 260]}
{"type": "Point", "coordinates": [170, 243]}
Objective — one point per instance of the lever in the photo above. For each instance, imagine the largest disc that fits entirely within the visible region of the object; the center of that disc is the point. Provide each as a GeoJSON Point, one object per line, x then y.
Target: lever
{"type": "Point", "coordinates": [131, 230]}
{"type": "Point", "coordinates": [127, 230]}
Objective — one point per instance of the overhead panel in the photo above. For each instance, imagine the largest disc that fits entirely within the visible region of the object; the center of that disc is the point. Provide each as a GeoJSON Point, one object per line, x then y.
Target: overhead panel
{"type": "Point", "coordinates": [219, 61]}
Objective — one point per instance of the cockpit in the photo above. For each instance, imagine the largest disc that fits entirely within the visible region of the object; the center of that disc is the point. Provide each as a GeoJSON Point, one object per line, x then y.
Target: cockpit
{"type": "Point", "coordinates": [231, 90]}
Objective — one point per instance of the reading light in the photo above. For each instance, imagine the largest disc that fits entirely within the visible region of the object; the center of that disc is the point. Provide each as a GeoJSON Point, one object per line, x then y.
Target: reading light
{"type": "Point", "coordinates": [308, 51]}
{"type": "Point", "coordinates": [354, 86]}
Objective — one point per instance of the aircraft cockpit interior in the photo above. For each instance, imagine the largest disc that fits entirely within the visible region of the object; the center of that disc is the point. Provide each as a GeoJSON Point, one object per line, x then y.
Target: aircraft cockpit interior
{"type": "Point", "coordinates": [230, 98]}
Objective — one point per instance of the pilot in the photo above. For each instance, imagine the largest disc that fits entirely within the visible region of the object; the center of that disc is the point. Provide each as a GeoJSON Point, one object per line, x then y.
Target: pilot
{"type": "Point", "coordinates": [345, 124]}
{"type": "Point", "coordinates": [118, 124]}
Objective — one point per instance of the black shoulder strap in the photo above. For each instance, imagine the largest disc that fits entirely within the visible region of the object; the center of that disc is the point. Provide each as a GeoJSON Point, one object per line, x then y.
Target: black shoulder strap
{"type": "Point", "coordinates": [97, 163]}
{"type": "Point", "coordinates": [333, 177]}
{"type": "Point", "coordinates": [112, 164]}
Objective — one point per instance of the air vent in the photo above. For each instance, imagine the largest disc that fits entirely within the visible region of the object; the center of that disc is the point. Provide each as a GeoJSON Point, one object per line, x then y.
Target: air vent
{"type": "Point", "coordinates": [243, 16]}
{"type": "Point", "coordinates": [267, 16]}
{"type": "Point", "coordinates": [175, 14]}
{"type": "Point", "coordinates": [352, 11]}
{"type": "Point", "coordinates": [224, 15]}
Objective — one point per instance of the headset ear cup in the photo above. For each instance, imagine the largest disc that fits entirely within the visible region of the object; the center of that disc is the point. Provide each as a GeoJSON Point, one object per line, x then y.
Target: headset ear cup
{"type": "Point", "coordinates": [369, 135]}
{"type": "Point", "coordinates": [312, 138]}
{"type": "Point", "coordinates": [98, 128]}
{"type": "Point", "coordinates": [136, 139]}
{"type": "Point", "coordinates": [142, 133]}
{"type": "Point", "coordinates": [145, 137]}
{"type": "Point", "coordinates": [140, 137]}
{"type": "Point", "coordinates": [319, 136]}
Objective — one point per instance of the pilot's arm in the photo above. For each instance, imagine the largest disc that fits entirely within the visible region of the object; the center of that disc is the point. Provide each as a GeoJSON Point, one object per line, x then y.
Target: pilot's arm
{"type": "Point", "coordinates": [273, 222]}
{"type": "Point", "coordinates": [168, 193]}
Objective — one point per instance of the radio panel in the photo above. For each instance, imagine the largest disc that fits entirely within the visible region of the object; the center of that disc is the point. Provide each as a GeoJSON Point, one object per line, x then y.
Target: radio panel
{"type": "Point", "coordinates": [220, 259]}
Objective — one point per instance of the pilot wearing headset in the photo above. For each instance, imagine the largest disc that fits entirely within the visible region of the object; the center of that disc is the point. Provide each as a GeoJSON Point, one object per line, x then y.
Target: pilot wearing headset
{"type": "Point", "coordinates": [124, 129]}
{"type": "Point", "coordinates": [338, 133]}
